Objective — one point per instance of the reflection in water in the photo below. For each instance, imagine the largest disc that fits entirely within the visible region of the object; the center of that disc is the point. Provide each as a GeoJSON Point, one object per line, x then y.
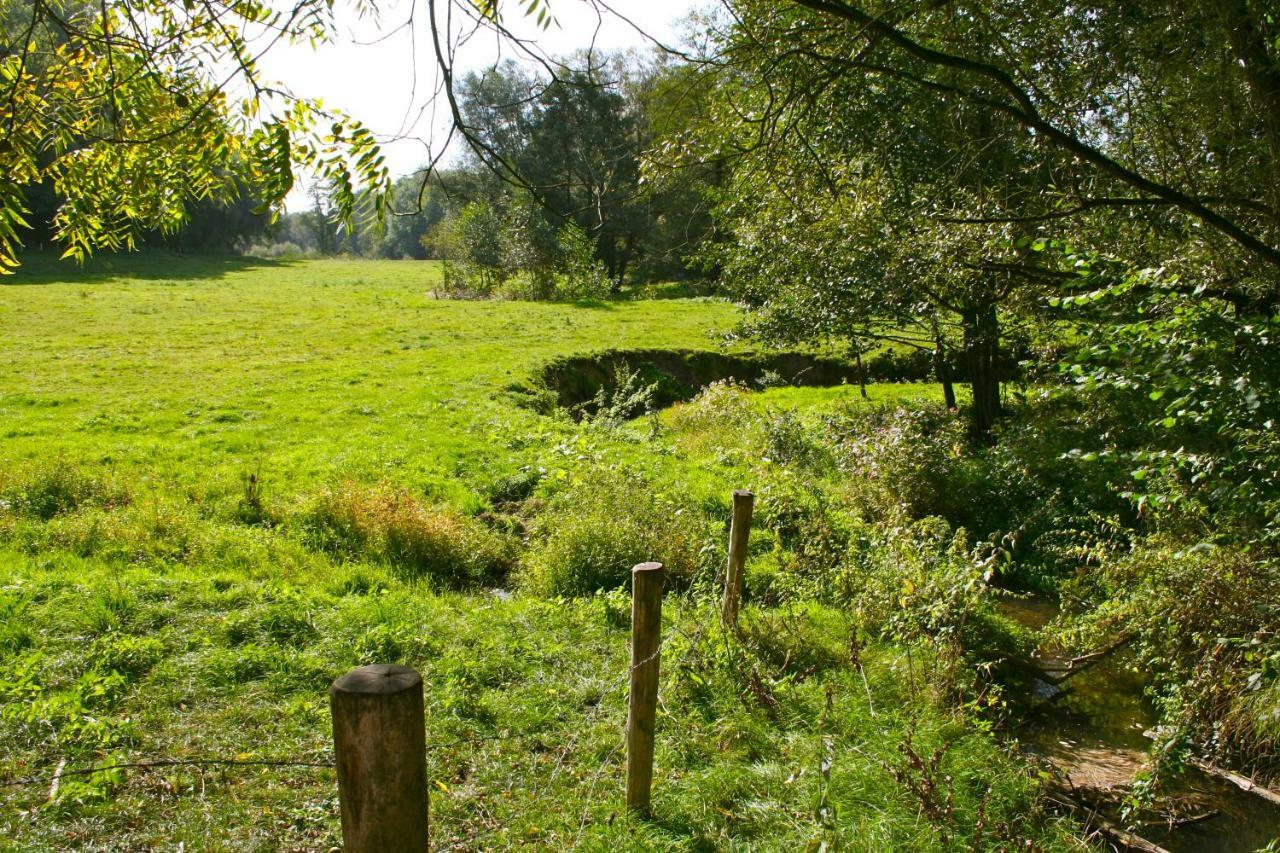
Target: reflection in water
{"type": "Point", "coordinates": [1091, 728]}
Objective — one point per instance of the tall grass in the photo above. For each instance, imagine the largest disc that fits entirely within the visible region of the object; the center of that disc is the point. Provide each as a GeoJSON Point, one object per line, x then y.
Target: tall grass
{"type": "Point", "coordinates": [388, 524]}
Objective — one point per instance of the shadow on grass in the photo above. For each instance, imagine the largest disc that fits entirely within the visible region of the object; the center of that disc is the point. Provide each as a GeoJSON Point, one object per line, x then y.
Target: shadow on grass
{"type": "Point", "coordinates": [691, 289]}
{"type": "Point", "coordinates": [597, 304]}
{"type": "Point", "coordinates": [40, 268]}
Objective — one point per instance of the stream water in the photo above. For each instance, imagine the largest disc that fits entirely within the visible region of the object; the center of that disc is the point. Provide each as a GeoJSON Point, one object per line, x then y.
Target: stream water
{"type": "Point", "coordinates": [1091, 728]}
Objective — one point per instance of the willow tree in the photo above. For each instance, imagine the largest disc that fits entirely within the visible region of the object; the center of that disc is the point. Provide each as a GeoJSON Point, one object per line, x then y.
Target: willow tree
{"type": "Point", "coordinates": [836, 192]}
{"type": "Point", "coordinates": [133, 110]}
{"type": "Point", "coordinates": [964, 136]}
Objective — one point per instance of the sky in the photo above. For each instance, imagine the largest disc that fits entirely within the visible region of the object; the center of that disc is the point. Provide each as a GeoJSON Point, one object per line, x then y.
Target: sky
{"type": "Point", "coordinates": [369, 72]}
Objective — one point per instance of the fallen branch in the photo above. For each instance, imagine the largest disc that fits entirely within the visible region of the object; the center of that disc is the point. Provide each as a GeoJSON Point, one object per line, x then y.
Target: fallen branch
{"type": "Point", "coordinates": [1242, 782]}
{"type": "Point", "coordinates": [1063, 797]}
{"type": "Point", "coordinates": [1074, 666]}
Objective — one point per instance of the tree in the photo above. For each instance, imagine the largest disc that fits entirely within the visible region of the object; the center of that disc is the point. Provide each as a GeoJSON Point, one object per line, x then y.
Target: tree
{"type": "Point", "coordinates": [573, 141]}
{"type": "Point", "coordinates": [125, 111]}
{"type": "Point", "coordinates": [831, 204]}
{"type": "Point", "coordinates": [474, 242]}
{"type": "Point", "coordinates": [971, 136]}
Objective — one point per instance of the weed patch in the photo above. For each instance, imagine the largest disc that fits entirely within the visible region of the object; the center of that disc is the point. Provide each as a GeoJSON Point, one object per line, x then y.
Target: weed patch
{"type": "Point", "coordinates": [383, 523]}
{"type": "Point", "coordinates": [592, 533]}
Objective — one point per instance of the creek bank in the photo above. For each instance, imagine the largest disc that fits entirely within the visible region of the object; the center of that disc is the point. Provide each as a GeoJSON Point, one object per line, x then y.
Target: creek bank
{"type": "Point", "coordinates": [574, 382]}
{"type": "Point", "coordinates": [1090, 724]}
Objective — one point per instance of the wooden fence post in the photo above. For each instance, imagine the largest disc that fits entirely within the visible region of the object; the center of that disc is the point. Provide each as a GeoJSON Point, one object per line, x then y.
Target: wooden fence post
{"type": "Point", "coordinates": [380, 746]}
{"type": "Point", "coordinates": [739, 531]}
{"type": "Point", "coordinates": [642, 703]}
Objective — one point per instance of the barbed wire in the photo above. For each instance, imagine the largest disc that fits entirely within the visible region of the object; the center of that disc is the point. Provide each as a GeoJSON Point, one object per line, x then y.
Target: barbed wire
{"type": "Point", "coordinates": [693, 639]}
{"type": "Point", "coordinates": [150, 764]}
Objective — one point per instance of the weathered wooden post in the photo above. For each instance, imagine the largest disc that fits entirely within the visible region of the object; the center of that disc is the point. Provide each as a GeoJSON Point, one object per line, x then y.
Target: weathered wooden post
{"type": "Point", "coordinates": [642, 704]}
{"type": "Point", "coordinates": [380, 746]}
{"type": "Point", "coordinates": [739, 531]}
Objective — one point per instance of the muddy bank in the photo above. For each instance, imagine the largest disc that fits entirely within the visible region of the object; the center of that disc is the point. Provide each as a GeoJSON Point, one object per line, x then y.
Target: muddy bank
{"type": "Point", "coordinates": [573, 382]}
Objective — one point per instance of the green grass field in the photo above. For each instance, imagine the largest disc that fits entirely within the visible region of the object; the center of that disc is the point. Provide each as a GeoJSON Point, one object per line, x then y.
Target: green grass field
{"type": "Point", "coordinates": [156, 604]}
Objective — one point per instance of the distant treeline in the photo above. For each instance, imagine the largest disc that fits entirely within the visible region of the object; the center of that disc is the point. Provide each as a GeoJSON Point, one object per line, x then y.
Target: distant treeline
{"type": "Point", "coordinates": [573, 167]}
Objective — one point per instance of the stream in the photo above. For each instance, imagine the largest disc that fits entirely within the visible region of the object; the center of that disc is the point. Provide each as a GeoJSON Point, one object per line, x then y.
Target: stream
{"type": "Point", "coordinates": [1091, 729]}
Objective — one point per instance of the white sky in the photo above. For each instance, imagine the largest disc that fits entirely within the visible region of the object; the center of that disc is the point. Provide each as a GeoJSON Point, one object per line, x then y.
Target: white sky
{"type": "Point", "coordinates": [370, 71]}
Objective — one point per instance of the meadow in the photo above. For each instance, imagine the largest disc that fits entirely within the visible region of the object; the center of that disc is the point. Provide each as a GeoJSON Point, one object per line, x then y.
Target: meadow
{"type": "Point", "coordinates": [224, 482]}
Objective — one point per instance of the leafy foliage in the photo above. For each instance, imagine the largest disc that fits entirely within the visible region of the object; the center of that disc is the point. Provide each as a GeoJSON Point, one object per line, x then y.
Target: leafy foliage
{"type": "Point", "coordinates": [119, 108]}
{"type": "Point", "coordinates": [592, 533]}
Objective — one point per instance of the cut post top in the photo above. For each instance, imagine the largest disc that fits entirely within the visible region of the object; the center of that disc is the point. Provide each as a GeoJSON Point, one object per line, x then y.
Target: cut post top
{"type": "Point", "coordinates": [645, 568]}
{"type": "Point", "coordinates": [378, 679]}
{"type": "Point", "coordinates": [742, 494]}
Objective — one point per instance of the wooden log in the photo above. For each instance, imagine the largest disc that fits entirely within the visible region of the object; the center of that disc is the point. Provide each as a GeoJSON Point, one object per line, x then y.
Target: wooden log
{"type": "Point", "coordinates": [739, 533]}
{"type": "Point", "coordinates": [642, 703]}
{"type": "Point", "coordinates": [379, 744]}
{"type": "Point", "coordinates": [1244, 783]}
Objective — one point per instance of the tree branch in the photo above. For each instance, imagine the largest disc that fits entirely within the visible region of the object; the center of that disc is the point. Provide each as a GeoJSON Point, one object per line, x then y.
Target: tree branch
{"type": "Point", "coordinates": [1023, 109]}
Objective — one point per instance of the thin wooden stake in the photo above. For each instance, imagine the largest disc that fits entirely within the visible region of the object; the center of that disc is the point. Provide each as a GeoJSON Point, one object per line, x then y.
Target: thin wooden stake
{"type": "Point", "coordinates": [380, 747]}
{"type": "Point", "coordinates": [739, 532]}
{"type": "Point", "coordinates": [642, 704]}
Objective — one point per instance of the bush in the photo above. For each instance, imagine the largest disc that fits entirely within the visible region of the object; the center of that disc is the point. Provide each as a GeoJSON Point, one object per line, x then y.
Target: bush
{"type": "Point", "coordinates": [283, 250]}
{"type": "Point", "coordinates": [629, 396]}
{"type": "Point", "coordinates": [389, 524]}
{"type": "Point", "coordinates": [595, 531]}
{"type": "Point", "coordinates": [897, 460]}
{"type": "Point", "coordinates": [582, 276]}
{"type": "Point", "coordinates": [1204, 627]}
{"type": "Point", "coordinates": [809, 535]}
{"type": "Point", "coordinates": [473, 243]}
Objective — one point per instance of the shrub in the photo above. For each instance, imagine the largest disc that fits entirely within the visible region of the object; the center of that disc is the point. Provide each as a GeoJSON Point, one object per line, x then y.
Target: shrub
{"type": "Point", "coordinates": [593, 532]}
{"type": "Point", "coordinates": [389, 524]}
{"type": "Point", "coordinates": [283, 250]}
{"type": "Point", "coordinates": [583, 276]}
{"type": "Point", "coordinates": [897, 459]}
{"type": "Point", "coordinates": [1204, 626]}
{"type": "Point", "coordinates": [628, 396]}
{"type": "Point", "coordinates": [473, 242]}
{"type": "Point", "coordinates": [720, 417]}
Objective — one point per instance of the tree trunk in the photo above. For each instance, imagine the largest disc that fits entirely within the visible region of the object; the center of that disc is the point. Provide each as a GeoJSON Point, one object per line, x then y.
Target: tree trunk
{"type": "Point", "coordinates": [862, 376]}
{"type": "Point", "coordinates": [942, 369]}
{"type": "Point", "coordinates": [981, 346]}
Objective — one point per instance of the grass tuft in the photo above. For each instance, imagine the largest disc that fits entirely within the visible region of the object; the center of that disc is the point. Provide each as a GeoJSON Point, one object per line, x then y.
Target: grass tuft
{"type": "Point", "coordinates": [388, 524]}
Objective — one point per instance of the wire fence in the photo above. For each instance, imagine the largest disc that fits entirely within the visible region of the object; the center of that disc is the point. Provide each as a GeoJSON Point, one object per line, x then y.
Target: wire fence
{"type": "Point", "coordinates": [694, 638]}
{"type": "Point", "coordinates": [708, 620]}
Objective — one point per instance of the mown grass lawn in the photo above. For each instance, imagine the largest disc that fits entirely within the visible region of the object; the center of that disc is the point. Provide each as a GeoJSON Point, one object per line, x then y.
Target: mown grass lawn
{"type": "Point", "coordinates": [156, 603]}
